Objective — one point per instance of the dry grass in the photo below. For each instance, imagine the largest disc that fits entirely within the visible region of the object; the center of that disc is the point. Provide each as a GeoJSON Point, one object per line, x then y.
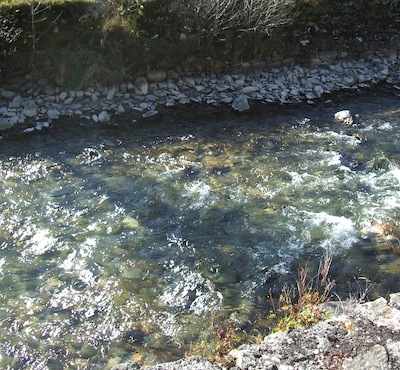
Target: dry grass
{"type": "Point", "coordinates": [300, 305]}
{"type": "Point", "coordinates": [16, 3]}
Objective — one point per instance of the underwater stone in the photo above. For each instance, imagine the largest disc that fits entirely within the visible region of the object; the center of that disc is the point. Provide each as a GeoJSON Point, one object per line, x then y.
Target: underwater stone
{"type": "Point", "coordinates": [344, 116]}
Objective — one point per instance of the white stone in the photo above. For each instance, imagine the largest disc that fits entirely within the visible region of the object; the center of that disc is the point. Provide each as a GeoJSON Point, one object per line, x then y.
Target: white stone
{"type": "Point", "coordinates": [95, 118]}
{"type": "Point", "coordinates": [150, 113]}
{"type": "Point", "coordinates": [344, 116]}
{"type": "Point", "coordinates": [104, 117]}
{"type": "Point", "coordinates": [79, 94]}
{"type": "Point", "coordinates": [94, 98]}
{"type": "Point", "coordinates": [120, 109]}
{"type": "Point", "coordinates": [250, 89]}
{"type": "Point", "coordinates": [29, 129]}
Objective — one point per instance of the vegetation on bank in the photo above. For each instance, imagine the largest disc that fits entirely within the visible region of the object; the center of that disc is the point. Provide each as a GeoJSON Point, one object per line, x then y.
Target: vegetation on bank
{"type": "Point", "coordinates": [88, 41]}
{"type": "Point", "coordinates": [298, 304]}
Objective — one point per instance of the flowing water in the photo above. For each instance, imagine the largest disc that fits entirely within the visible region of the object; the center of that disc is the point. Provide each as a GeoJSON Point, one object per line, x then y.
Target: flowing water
{"type": "Point", "coordinates": [125, 242]}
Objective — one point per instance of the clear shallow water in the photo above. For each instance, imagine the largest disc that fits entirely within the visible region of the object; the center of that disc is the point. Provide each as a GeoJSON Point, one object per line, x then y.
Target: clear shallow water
{"type": "Point", "coordinates": [120, 243]}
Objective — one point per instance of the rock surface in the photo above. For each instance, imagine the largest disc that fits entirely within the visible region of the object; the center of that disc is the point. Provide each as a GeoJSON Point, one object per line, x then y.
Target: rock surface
{"type": "Point", "coordinates": [355, 337]}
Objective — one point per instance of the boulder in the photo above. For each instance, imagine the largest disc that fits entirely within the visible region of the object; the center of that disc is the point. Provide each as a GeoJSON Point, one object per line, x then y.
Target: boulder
{"type": "Point", "coordinates": [30, 110]}
{"type": "Point", "coordinates": [241, 103]}
{"type": "Point", "coordinates": [344, 116]}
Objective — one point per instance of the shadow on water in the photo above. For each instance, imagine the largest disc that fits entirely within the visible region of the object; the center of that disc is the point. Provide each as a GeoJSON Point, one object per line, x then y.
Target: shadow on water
{"type": "Point", "coordinates": [177, 211]}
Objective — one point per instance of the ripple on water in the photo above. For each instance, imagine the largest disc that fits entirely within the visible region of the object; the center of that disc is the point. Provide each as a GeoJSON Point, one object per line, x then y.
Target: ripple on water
{"type": "Point", "coordinates": [129, 247]}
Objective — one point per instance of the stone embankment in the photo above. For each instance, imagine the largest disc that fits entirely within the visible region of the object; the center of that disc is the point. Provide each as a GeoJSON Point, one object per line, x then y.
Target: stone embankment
{"type": "Point", "coordinates": [356, 337]}
{"type": "Point", "coordinates": [31, 106]}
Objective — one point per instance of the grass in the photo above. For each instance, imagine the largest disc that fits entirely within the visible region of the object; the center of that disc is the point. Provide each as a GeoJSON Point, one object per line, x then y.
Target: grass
{"type": "Point", "coordinates": [300, 305]}
{"type": "Point", "coordinates": [16, 3]}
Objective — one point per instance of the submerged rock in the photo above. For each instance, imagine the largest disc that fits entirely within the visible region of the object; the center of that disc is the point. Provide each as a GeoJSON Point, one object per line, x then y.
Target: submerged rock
{"type": "Point", "coordinates": [344, 116]}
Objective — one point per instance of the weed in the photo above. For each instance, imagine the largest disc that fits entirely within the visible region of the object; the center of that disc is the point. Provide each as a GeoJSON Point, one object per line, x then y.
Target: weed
{"type": "Point", "coordinates": [300, 305]}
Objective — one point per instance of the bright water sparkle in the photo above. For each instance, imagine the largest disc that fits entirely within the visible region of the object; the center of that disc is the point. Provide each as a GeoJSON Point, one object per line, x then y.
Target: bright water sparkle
{"type": "Point", "coordinates": [118, 243]}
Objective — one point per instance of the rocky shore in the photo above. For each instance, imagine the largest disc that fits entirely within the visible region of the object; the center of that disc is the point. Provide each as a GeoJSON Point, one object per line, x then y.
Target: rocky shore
{"type": "Point", "coordinates": [355, 337]}
{"type": "Point", "coordinates": [29, 106]}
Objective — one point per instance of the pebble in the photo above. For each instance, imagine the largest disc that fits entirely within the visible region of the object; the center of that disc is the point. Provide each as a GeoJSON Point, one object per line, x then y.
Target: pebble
{"type": "Point", "coordinates": [269, 84]}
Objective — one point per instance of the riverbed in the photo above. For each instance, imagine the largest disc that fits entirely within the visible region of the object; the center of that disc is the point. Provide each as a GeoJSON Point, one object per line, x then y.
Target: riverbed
{"type": "Point", "coordinates": [127, 240]}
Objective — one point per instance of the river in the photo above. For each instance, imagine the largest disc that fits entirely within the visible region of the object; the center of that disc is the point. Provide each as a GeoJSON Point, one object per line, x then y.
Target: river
{"type": "Point", "coordinates": [127, 241]}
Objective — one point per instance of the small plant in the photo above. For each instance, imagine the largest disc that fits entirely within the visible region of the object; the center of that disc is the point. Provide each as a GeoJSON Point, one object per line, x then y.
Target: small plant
{"type": "Point", "coordinates": [301, 305]}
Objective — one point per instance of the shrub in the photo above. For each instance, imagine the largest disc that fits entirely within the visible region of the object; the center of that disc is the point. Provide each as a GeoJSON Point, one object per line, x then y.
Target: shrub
{"type": "Point", "coordinates": [222, 17]}
{"type": "Point", "coordinates": [301, 305]}
{"type": "Point", "coordinates": [9, 32]}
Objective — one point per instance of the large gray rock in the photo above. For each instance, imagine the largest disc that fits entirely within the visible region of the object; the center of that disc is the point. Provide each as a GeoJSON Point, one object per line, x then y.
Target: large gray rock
{"type": "Point", "coordinates": [30, 110]}
{"type": "Point", "coordinates": [104, 117]}
{"type": "Point", "coordinates": [241, 103]}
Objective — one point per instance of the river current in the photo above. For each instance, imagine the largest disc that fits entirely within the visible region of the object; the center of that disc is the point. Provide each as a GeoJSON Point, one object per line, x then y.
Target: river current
{"type": "Point", "coordinates": [126, 241]}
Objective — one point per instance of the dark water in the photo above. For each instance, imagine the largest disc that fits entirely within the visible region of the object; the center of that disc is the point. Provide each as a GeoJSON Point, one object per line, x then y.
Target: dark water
{"type": "Point", "coordinates": [125, 242]}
